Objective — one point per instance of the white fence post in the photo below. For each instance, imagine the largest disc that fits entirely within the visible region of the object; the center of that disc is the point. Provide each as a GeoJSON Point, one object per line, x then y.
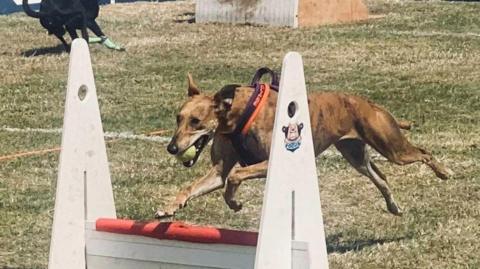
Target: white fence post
{"type": "Point", "coordinates": [84, 190]}
{"type": "Point", "coordinates": [291, 206]}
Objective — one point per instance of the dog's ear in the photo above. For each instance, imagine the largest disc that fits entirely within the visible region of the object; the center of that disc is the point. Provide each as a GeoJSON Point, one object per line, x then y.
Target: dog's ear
{"type": "Point", "coordinates": [192, 88]}
{"type": "Point", "coordinates": [227, 104]}
{"type": "Point", "coordinates": [224, 99]}
{"type": "Point", "coordinates": [222, 106]}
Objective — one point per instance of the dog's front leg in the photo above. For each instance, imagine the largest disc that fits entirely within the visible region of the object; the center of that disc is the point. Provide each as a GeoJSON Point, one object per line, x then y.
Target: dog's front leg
{"type": "Point", "coordinates": [211, 181]}
{"type": "Point", "coordinates": [239, 174]}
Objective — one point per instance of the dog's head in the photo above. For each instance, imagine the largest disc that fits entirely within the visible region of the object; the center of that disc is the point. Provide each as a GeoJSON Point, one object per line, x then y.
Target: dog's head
{"type": "Point", "coordinates": [196, 123]}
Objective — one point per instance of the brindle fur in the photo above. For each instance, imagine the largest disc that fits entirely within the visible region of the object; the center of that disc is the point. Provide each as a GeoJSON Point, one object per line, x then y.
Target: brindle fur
{"type": "Point", "coordinates": [346, 121]}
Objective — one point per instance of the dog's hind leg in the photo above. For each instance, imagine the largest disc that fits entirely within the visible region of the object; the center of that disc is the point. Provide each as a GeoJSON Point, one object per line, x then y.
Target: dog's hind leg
{"type": "Point", "coordinates": [72, 32]}
{"type": "Point", "coordinates": [394, 146]}
{"type": "Point", "coordinates": [95, 28]}
{"type": "Point", "coordinates": [382, 133]}
{"type": "Point", "coordinates": [64, 42]}
{"type": "Point", "coordinates": [355, 152]}
{"type": "Point", "coordinates": [416, 154]}
{"type": "Point", "coordinates": [83, 26]}
{"type": "Point", "coordinates": [239, 174]}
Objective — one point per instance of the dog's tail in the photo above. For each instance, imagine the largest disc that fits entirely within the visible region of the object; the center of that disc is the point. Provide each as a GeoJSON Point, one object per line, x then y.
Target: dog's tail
{"type": "Point", "coordinates": [403, 124]}
{"type": "Point", "coordinates": [30, 12]}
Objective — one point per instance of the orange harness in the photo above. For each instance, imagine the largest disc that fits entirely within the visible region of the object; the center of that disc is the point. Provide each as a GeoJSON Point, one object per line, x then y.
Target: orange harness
{"type": "Point", "coordinates": [259, 102]}
{"type": "Point", "coordinates": [254, 105]}
{"type": "Point", "coordinates": [238, 137]}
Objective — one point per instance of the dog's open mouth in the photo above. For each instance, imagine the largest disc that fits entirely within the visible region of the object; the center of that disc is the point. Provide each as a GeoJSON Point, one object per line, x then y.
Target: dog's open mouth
{"type": "Point", "coordinates": [199, 145]}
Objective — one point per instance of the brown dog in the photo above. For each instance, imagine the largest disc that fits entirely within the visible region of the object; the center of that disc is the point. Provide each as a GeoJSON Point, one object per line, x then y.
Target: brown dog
{"type": "Point", "coordinates": [346, 121]}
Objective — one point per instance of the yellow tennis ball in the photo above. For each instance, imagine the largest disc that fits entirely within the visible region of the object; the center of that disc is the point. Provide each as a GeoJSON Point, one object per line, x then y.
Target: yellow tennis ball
{"type": "Point", "coordinates": [188, 154]}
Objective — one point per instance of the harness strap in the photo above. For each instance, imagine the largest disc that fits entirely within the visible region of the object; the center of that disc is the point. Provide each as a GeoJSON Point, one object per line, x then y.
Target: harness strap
{"type": "Point", "coordinates": [265, 70]}
{"type": "Point", "coordinates": [255, 104]}
{"type": "Point", "coordinates": [258, 103]}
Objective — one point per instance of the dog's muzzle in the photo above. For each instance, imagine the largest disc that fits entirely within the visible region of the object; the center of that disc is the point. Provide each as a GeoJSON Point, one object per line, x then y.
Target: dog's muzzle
{"type": "Point", "coordinates": [199, 145]}
{"type": "Point", "coordinates": [172, 147]}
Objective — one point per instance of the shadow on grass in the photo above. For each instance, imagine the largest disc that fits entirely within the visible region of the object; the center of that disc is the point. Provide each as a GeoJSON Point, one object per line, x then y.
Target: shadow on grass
{"type": "Point", "coordinates": [59, 49]}
{"type": "Point", "coordinates": [335, 244]}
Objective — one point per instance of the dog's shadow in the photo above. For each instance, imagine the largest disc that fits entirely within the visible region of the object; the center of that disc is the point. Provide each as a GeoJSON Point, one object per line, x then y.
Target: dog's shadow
{"type": "Point", "coordinates": [59, 49]}
{"type": "Point", "coordinates": [335, 244]}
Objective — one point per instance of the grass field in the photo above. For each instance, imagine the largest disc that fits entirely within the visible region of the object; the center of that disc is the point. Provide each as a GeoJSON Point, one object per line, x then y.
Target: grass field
{"type": "Point", "coordinates": [421, 61]}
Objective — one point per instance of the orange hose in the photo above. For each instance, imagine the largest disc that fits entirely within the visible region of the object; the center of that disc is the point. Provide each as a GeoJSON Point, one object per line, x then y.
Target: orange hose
{"type": "Point", "coordinates": [28, 153]}
{"type": "Point", "coordinates": [56, 149]}
{"type": "Point", "coordinates": [36, 152]}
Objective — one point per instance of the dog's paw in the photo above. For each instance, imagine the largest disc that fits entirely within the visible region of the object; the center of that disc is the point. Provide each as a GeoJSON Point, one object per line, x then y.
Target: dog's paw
{"type": "Point", "coordinates": [440, 170]}
{"type": "Point", "coordinates": [160, 214]}
{"type": "Point", "coordinates": [395, 210]}
{"type": "Point", "coordinates": [445, 174]}
{"type": "Point", "coordinates": [234, 205]}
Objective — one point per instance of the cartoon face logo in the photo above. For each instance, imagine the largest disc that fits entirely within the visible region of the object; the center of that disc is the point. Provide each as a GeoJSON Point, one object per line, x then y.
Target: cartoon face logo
{"type": "Point", "coordinates": [293, 137]}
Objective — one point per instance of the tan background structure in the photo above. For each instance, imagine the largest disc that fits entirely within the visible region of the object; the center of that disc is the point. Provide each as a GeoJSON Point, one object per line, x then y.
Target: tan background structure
{"type": "Point", "coordinates": [292, 13]}
{"type": "Point", "coordinates": [318, 12]}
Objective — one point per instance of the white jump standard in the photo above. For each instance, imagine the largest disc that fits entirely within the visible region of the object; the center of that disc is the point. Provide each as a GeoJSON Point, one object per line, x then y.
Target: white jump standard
{"type": "Point", "coordinates": [86, 233]}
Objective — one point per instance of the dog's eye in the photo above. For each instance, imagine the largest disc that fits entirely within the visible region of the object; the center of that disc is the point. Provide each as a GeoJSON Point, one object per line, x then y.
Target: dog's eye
{"type": "Point", "coordinates": [194, 121]}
